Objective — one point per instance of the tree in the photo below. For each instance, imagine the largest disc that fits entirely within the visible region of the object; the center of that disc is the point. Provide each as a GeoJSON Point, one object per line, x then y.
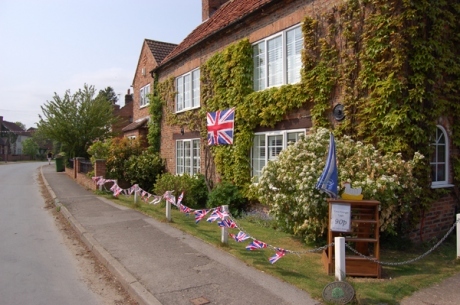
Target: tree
{"type": "Point", "coordinates": [107, 94]}
{"type": "Point", "coordinates": [30, 147]}
{"type": "Point", "coordinates": [76, 120]}
{"type": "Point", "coordinates": [20, 125]}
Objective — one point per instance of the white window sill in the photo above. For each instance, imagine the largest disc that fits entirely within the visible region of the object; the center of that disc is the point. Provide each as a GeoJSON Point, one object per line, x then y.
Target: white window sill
{"type": "Point", "coordinates": [187, 109]}
{"type": "Point", "coordinates": [143, 106]}
{"type": "Point", "coordinates": [439, 186]}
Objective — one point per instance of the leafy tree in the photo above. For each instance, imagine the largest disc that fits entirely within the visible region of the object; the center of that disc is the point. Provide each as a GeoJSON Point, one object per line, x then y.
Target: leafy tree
{"type": "Point", "coordinates": [30, 147]}
{"type": "Point", "coordinates": [76, 120]}
{"type": "Point", "coordinates": [20, 125]}
{"type": "Point", "coordinates": [108, 95]}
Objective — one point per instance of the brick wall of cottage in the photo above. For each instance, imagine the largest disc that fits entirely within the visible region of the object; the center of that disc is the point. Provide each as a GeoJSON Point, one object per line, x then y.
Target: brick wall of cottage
{"type": "Point", "coordinates": [142, 78]}
{"type": "Point", "coordinates": [125, 114]}
{"type": "Point", "coordinates": [261, 25]}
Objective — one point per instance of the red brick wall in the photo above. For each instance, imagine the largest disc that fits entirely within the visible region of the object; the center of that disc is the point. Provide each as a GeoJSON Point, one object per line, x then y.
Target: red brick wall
{"type": "Point", "coordinates": [142, 78]}
{"type": "Point", "coordinates": [125, 115]}
{"type": "Point", "coordinates": [261, 25]}
{"type": "Point", "coordinates": [272, 20]}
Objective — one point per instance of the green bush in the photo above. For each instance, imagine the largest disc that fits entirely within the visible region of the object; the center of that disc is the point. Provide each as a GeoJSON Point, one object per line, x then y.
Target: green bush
{"type": "Point", "coordinates": [194, 188]}
{"type": "Point", "coordinates": [144, 169]}
{"type": "Point", "coordinates": [226, 193]}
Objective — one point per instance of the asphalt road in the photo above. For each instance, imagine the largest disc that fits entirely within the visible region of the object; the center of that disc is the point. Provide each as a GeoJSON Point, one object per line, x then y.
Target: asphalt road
{"type": "Point", "coordinates": [36, 267]}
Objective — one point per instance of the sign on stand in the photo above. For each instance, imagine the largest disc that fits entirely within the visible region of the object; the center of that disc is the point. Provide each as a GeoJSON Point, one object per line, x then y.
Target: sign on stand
{"type": "Point", "coordinates": [340, 217]}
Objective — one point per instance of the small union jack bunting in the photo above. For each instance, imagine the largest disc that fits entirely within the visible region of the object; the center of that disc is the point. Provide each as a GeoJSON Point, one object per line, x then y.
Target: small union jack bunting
{"type": "Point", "coordinates": [279, 254]}
{"type": "Point", "coordinates": [256, 244]}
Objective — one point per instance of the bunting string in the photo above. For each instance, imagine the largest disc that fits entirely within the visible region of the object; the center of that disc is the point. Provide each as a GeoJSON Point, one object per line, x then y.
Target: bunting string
{"type": "Point", "coordinates": [217, 214]}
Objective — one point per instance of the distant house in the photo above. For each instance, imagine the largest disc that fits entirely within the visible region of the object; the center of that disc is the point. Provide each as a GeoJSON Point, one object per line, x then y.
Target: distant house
{"type": "Point", "coordinates": [124, 115]}
{"type": "Point", "coordinates": [12, 137]}
{"type": "Point", "coordinates": [300, 70]}
{"type": "Point", "coordinates": [152, 53]}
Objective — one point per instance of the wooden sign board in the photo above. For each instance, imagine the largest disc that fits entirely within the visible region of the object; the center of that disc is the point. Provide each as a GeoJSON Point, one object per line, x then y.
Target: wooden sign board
{"type": "Point", "coordinates": [340, 217]}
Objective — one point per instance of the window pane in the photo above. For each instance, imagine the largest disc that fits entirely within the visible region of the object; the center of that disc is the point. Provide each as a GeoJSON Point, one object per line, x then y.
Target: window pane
{"type": "Point", "coordinates": [179, 158]}
{"type": "Point", "coordinates": [293, 137]}
{"type": "Point", "coordinates": [294, 44]}
{"type": "Point", "coordinates": [275, 61]}
{"type": "Point", "coordinates": [187, 158]}
{"type": "Point", "coordinates": [275, 145]}
{"type": "Point", "coordinates": [196, 157]}
{"type": "Point", "coordinates": [187, 91]}
{"type": "Point", "coordinates": [180, 94]}
{"type": "Point", "coordinates": [259, 66]}
{"type": "Point", "coordinates": [196, 88]}
{"type": "Point", "coordinates": [258, 155]}
{"type": "Point", "coordinates": [439, 158]}
{"type": "Point", "coordinates": [141, 97]}
{"type": "Point", "coordinates": [146, 94]}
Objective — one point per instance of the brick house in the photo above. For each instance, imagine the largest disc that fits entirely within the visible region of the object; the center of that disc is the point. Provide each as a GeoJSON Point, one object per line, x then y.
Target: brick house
{"type": "Point", "coordinates": [152, 53]}
{"type": "Point", "coordinates": [274, 29]}
{"type": "Point", "coordinates": [13, 137]}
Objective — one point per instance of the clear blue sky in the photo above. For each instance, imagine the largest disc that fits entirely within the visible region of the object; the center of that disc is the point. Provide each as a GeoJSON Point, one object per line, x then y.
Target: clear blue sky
{"type": "Point", "coordinates": [50, 46]}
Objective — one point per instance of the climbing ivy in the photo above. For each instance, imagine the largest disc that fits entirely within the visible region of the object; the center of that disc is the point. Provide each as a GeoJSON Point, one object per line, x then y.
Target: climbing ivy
{"type": "Point", "coordinates": [163, 92]}
{"type": "Point", "coordinates": [394, 65]}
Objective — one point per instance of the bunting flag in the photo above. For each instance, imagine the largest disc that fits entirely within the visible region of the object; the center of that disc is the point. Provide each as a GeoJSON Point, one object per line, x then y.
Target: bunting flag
{"type": "Point", "coordinates": [179, 200]}
{"type": "Point", "coordinates": [220, 126]}
{"type": "Point", "coordinates": [328, 181]}
{"type": "Point", "coordinates": [241, 236]}
{"type": "Point", "coordinates": [156, 199]}
{"type": "Point", "coordinates": [200, 214]}
{"type": "Point", "coordinates": [184, 209]}
{"type": "Point", "coordinates": [217, 214]}
{"type": "Point", "coordinates": [279, 254]}
{"type": "Point", "coordinates": [228, 223]}
{"type": "Point", "coordinates": [168, 196]}
{"type": "Point", "coordinates": [256, 244]}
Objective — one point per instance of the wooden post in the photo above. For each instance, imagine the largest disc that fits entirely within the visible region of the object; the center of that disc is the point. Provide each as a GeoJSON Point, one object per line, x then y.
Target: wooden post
{"type": "Point", "coordinates": [168, 210]}
{"type": "Point", "coordinates": [224, 230]}
{"type": "Point", "coordinates": [458, 236]}
{"type": "Point", "coordinates": [339, 245]}
{"type": "Point", "coordinates": [135, 193]}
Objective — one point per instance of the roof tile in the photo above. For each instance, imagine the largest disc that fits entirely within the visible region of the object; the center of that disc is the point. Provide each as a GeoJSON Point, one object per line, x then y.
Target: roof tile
{"type": "Point", "coordinates": [160, 49]}
{"type": "Point", "coordinates": [227, 14]}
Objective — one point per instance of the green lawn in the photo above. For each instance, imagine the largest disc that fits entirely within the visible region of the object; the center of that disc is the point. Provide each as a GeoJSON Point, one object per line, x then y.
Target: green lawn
{"type": "Point", "coordinates": [305, 269]}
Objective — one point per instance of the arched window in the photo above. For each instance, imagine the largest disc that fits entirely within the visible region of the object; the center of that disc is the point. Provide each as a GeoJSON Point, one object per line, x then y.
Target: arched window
{"type": "Point", "coordinates": [440, 159]}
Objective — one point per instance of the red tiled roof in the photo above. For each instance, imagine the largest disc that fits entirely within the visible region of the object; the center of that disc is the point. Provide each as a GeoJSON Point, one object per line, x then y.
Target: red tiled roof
{"type": "Point", "coordinates": [136, 125]}
{"type": "Point", "coordinates": [160, 49]}
{"type": "Point", "coordinates": [229, 13]}
{"type": "Point", "coordinates": [12, 126]}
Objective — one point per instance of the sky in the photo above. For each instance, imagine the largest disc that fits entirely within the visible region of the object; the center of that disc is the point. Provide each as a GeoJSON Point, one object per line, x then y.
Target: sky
{"type": "Point", "coordinates": [51, 46]}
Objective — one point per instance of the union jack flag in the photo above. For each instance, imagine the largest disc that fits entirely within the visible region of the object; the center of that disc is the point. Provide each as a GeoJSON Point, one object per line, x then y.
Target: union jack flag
{"type": "Point", "coordinates": [179, 200]}
{"type": "Point", "coordinates": [220, 126]}
{"type": "Point", "coordinates": [279, 254]}
{"type": "Point", "coordinates": [217, 214]}
{"type": "Point", "coordinates": [256, 244]}
{"type": "Point", "coordinates": [156, 199]}
{"type": "Point", "coordinates": [200, 214]}
{"type": "Point", "coordinates": [227, 222]}
{"type": "Point", "coordinates": [240, 236]}
{"type": "Point", "coordinates": [185, 209]}
{"type": "Point", "coordinates": [168, 196]}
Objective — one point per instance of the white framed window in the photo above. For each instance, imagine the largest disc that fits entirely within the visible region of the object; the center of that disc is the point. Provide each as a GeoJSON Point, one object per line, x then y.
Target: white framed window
{"type": "Point", "coordinates": [268, 145]}
{"type": "Point", "coordinates": [440, 159]}
{"type": "Point", "coordinates": [188, 91]}
{"type": "Point", "coordinates": [144, 95]}
{"type": "Point", "coordinates": [277, 59]}
{"type": "Point", "coordinates": [188, 157]}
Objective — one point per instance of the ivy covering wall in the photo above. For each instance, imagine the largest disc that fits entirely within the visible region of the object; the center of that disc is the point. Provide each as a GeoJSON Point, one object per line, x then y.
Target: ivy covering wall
{"type": "Point", "coordinates": [394, 65]}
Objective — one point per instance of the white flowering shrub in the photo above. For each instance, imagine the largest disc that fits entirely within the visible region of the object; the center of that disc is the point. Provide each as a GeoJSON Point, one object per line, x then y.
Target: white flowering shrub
{"type": "Point", "coordinates": [287, 185]}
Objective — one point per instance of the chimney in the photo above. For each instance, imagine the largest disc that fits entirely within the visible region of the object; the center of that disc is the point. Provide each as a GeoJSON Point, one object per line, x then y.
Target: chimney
{"type": "Point", "coordinates": [128, 97]}
{"type": "Point", "coordinates": [1, 123]}
{"type": "Point", "coordinates": [209, 7]}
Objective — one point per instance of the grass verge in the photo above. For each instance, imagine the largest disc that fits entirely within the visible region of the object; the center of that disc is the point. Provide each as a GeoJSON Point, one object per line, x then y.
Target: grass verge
{"type": "Point", "coordinates": [306, 270]}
